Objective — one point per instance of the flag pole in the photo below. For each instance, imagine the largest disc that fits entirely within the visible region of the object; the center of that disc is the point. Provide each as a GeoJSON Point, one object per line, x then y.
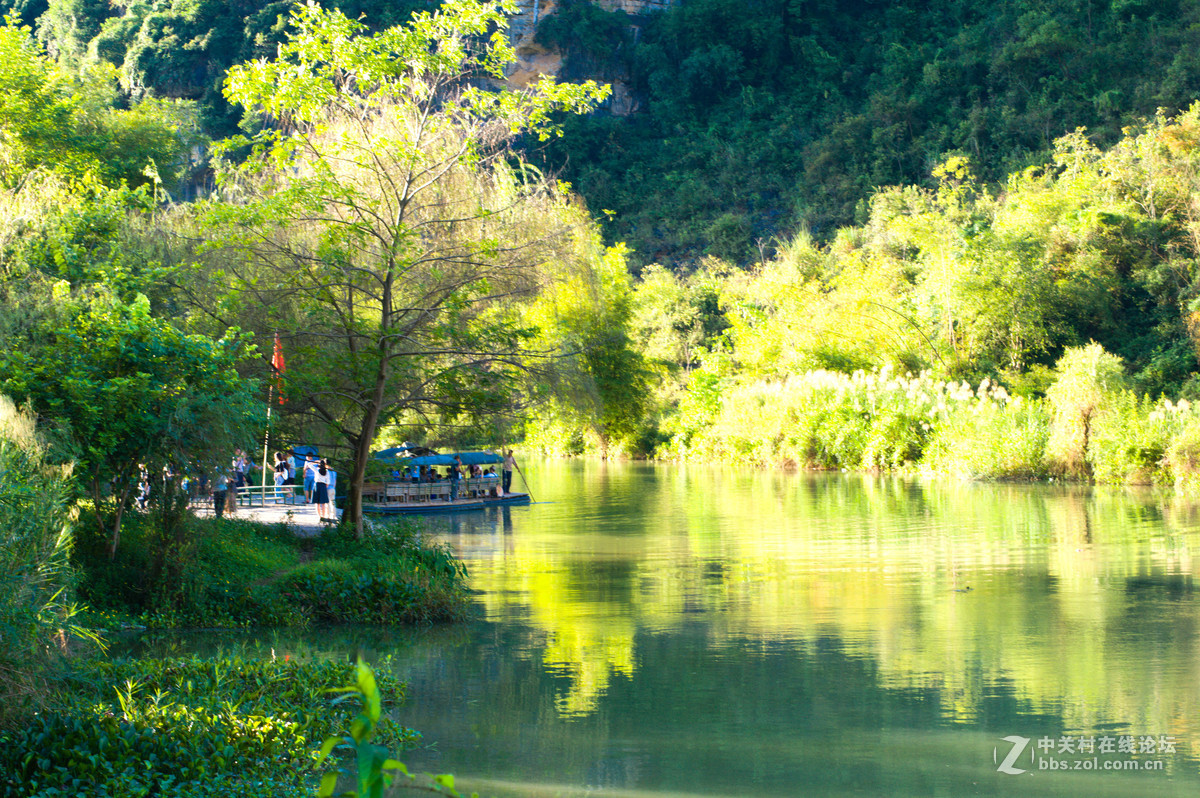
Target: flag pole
{"type": "Point", "coordinates": [277, 367]}
{"type": "Point", "coordinates": [266, 442]}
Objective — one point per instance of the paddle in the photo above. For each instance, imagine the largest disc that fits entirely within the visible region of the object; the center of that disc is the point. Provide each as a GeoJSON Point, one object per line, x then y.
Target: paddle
{"type": "Point", "coordinates": [522, 473]}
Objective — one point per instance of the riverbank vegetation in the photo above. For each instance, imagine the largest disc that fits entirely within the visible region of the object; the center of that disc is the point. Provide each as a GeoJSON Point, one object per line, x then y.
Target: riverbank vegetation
{"type": "Point", "coordinates": [195, 727]}
{"type": "Point", "coordinates": [204, 572]}
{"type": "Point", "coordinates": [528, 316]}
{"type": "Point", "coordinates": [1042, 328]}
{"type": "Point", "coordinates": [127, 333]}
{"type": "Point", "coordinates": [878, 421]}
{"type": "Point", "coordinates": [482, 303]}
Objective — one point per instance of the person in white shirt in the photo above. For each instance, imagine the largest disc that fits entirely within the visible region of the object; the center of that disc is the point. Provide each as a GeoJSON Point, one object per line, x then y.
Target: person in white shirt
{"type": "Point", "coordinates": [310, 471]}
{"type": "Point", "coordinates": [321, 490]}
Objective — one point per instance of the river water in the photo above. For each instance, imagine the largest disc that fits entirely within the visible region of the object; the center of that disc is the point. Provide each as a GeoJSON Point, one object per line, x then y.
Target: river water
{"type": "Point", "coordinates": [662, 630]}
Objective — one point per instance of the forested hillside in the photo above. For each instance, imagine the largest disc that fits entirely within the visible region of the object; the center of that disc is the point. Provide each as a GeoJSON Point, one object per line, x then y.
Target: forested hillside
{"type": "Point", "coordinates": [753, 119]}
{"type": "Point", "coordinates": [179, 49]}
{"type": "Point", "coordinates": [762, 117]}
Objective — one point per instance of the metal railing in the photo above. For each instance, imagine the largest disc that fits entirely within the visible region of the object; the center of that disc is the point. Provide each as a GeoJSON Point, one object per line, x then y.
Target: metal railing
{"type": "Point", "coordinates": [263, 495]}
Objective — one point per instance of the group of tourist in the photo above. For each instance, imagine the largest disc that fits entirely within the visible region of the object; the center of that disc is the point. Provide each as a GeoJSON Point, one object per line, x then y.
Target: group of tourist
{"type": "Point", "coordinates": [421, 475]}
{"type": "Point", "coordinates": [191, 480]}
{"type": "Point", "coordinates": [319, 480]}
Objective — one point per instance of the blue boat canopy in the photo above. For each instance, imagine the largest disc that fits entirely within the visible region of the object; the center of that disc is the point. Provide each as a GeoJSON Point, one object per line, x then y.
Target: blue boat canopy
{"type": "Point", "coordinates": [404, 452]}
{"type": "Point", "coordinates": [468, 458]}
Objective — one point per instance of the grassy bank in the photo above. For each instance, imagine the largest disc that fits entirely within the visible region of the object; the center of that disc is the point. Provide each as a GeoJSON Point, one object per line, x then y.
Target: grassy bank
{"type": "Point", "coordinates": [176, 570]}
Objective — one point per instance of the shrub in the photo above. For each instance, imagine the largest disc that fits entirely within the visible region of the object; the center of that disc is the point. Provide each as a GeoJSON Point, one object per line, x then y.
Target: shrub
{"type": "Point", "coordinates": [1183, 455]}
{"type": "Point", "coordinates": [1086, 379]}
{"type": "Point", "coordinates": [248, 574]}
{"type": "Point", "coordinates": [183, 727]}
{"type": "Point", "coordinates": [1130, 438]}
{"type": "Point", "coordinates": [824, 419]}
{"type": "Point", "coordinates": [996, 437]}
{"type": "Point", "coordinates": [36, 580]}
{"type": "Point", "coordinates": [384, 590]}
{"type": "Point", "coordinates": [227, 581]}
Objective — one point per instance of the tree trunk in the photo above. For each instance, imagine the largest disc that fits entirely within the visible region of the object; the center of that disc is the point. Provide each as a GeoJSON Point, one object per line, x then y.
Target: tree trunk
{"type": "Point", "coordinates": [116, 527]}
{"type": "Point", "coordinates": [362, 453]}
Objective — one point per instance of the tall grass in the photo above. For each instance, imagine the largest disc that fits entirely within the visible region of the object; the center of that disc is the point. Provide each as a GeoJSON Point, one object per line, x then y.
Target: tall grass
{"type": "Point", "coordinates": [994, 437]}
{"type": "Point", "coordinates": [825, 419]}
{"type": "Point", "coordinates": [1087, 427]}
{"type": "Point", "coordinates": [36, 580]}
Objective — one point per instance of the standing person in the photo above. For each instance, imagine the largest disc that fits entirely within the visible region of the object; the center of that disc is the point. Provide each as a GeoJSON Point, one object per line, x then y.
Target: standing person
{"type": "Point", "coordinates": [290, 482]}
{"type": "Point", "coordinates": [201, 481]}
{"type": "Point", "coordinates": [143, 494]}
{"type": "Point", "coordinates": [310, 474]}
{"type": "Point", "coordinates": [455, 476]}
{"type": "Point", "coordinates": [239, 468]}
{"type": "Point", "coordinates": [321, 490]}
{"type": "Point", "coordinates": [507, 469]}
{"type": "Point", "coordinates": [220, 493]}
{"type": "Point", "coordinates": [281, 471]}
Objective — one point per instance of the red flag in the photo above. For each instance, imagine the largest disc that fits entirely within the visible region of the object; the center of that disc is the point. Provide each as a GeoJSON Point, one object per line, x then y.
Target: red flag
{"type": "Point", "coordinates": [279, 366]}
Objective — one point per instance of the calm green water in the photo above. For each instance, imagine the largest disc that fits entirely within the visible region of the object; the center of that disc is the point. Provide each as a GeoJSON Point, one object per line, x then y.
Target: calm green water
{"type": "Point", "coordinates": [677, 631]}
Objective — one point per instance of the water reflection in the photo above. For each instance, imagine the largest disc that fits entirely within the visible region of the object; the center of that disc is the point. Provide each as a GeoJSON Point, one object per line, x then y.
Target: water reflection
{"type": "Point", "coordinates": [1064, 593]}
{"type": "Point", "coordinates": [684, 630]}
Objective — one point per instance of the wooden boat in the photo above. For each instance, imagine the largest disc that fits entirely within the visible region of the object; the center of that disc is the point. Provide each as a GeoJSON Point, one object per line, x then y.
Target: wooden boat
{"type": "Point", "coordinates": [459, 505]}
{"type": "Point", "coordinates": [401, 496]}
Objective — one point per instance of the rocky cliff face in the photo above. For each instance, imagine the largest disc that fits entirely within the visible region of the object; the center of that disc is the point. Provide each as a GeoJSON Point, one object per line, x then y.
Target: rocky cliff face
{"type": "Point", "coordinates": [534, 60]}
{"type": "Point", "coordinates": [636, 6]}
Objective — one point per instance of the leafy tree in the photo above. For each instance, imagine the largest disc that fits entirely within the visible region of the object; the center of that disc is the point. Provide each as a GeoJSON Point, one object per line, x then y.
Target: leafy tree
{"type": "Point", "coordinates": [37, 112]}
{"type": "Point", "coordinates": [601, 388]}
{"type": "Point", "coordinates": [1086, 377]}
{"type": "Point", "coordinates": [382, 228]}
{"type": "Point", "coordinates": [70, 126]}
{"type": "Point", "coordinates": [125, 388]}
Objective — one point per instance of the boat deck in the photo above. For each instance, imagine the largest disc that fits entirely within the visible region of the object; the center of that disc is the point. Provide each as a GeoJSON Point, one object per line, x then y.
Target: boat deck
{"type": "Point", "coordinates": [439, 505]}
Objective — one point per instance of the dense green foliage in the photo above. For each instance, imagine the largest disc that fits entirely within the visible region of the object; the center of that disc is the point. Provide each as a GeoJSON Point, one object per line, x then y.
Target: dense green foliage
{"type": "Point", "coordinates": [186, 727]}
{"type": "Point", "coordinates": [73, 125]}
{"type": "Point", "coordinates": [752, 120]}
{"type": "Point", "coordinates": [130, 388]}
{"type": "Point", "coordinates": [36, 580]}
{"type": "Point", "coordinates": [599, 395]}
{"type": "Point", "coordinates": [1087, 425]}
{"type": "Point", "coordinates": [225, 573]}
{"type": "Point", "coordinates": [1096, 246]}
{"type": "Point", "coordinates": [1094, 252]}
{"type": "Point", "coordinates": [760, 118]}
{"type": "Point", "coordinates": [181, 49]}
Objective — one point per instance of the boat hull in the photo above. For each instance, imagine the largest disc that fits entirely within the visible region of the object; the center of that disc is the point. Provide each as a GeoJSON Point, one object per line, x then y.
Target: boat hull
{"type": "Point", "coordinates": [456, 506]}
